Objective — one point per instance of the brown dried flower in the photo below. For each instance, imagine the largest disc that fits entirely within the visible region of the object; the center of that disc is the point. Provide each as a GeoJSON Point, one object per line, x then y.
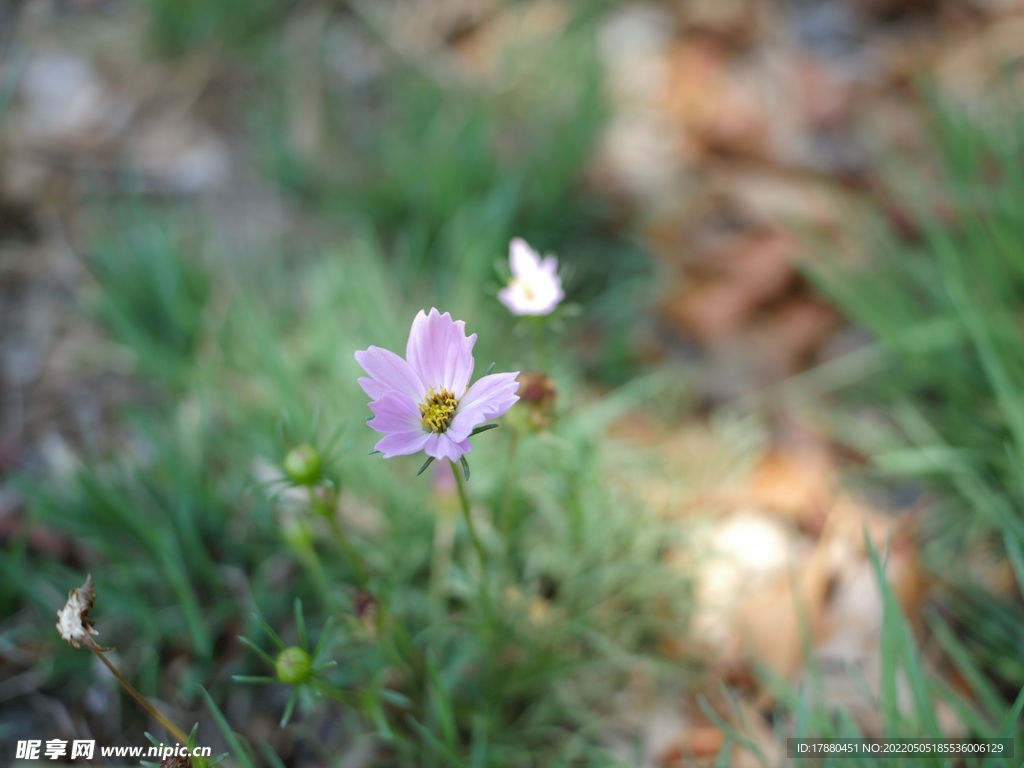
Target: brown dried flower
{"type": "Point", "coordinates": [537, 393]}
{"type": "Point", "coordinates": [366, 611]}
{"type": "Point", "coordinates": [72, 623]}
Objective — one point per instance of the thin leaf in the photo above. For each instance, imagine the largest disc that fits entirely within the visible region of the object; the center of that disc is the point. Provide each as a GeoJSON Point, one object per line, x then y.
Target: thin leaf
{"type": "Point", "coordinates": [442, 704]}
{"type": "Point", "coordinates": [300, 624]}
{"type": "Point", "coordinates": [478, 754]}
{"type": "Point", "coordinates": [1013, 717]}
{"type": "Point", "coordinates": [229, 736]}
{"type": "Point", "coordinates": [271, 755]}
{"type": "Point", "coordinates": [1016, 555]}
{"type": "Point", "coordinates": [966, 711]}
{"type": "Point", "coordinates": [434, 743]}
{"type": "Point", "coordinates": [321, 642]}
{"type": "Point", "coordinates": [898, 639]}
{"type": "Point", "coordinates": [290, 706]}
{"type": "Point", "coordinates": [270, 631]}
{"type": "Point", "coordinates": [961, 658]}
{"type": "Point", "coordinates": [257, 650]}
{"type": "Point", "coordinates": [731, 734]}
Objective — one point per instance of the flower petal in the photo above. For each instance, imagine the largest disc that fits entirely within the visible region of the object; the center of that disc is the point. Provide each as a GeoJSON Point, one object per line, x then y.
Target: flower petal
{"type": "Point", "coordinates": [402, 443]}
{"type": "Point", "coordinates": [373, 388]}
{"type": "Point", "coordinates": [440, 352]}
{"type": "Point", "coordinates": [442, 446]}
{"type": "Point", "coordinates": [522, 259]}
{"type": "Point", "coordinates": [388, 372]}
{"type": "Point", "coordinates": [395, 412]}
{"type": "Point", "coordinates": [488, 398]}
{"type": "Point", "coordinates": [511, 298]}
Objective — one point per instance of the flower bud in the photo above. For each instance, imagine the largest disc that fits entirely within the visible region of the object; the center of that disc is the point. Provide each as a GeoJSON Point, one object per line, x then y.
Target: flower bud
{"type": "Point", "coordinates": [293, 665]}
{"type": "Point", "coordinates": [302, 465]}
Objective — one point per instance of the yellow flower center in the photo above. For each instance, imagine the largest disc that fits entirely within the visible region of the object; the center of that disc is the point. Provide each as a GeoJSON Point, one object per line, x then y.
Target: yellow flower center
{"type": "Point", "coordinates": [525, 287]}
{"type": "Point", "coordinates": [438, 410]}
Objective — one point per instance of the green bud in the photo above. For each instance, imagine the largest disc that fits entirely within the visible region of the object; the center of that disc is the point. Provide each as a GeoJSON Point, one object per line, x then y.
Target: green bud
{"type": "Point", "coordinates": [302, 465]}
{"type": "Point", "coordinates": [293, 665]}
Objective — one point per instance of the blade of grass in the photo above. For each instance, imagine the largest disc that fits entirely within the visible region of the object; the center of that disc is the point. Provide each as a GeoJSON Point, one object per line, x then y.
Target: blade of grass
{"type": "Point", "coordinates": [225, 729]}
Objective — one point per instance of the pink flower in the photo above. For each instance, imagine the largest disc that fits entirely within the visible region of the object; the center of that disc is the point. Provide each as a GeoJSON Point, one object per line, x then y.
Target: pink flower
{"type": "Point", "coordinates": [535, 288]}
{"type": "Point", "coordinates": [424, 403]}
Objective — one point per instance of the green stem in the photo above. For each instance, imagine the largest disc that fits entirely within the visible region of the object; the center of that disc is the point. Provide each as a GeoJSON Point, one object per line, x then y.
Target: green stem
{"type": "Point", "coordinates": [307, 555]}
{"type": "Point", "coordinates": [506, 493]}
{"type": "Point", "coordinates": [331, 691]}
{"type": "Point", "coordinates": [464, 499]}
{"type": "Point", "coordinates": [444, 538]}
{"type": "Point", "coordinates": [362, 572]}
{"type": "Point", "coordinates": [540, 343]}
{"type": "Point", "coordinates": [172, 729]}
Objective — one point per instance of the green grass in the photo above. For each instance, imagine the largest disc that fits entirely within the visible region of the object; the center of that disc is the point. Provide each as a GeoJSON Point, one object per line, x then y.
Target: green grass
{"type": "Point", "coordinates": [478, 678]}
{"type": "Point", "coordinates": [945, 374]}
{"type": "Point", "coordinates": [195, 539]}
{"type": "Point", "coordinates": [191, 547]}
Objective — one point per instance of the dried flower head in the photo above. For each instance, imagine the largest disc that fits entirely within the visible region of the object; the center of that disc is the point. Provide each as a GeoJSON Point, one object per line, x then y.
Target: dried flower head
{"type": "Point", "coordinates": [176, 761]}
{"type": "Point", "coordinates": [537, 393]}
{"type": "Point", "coordinates": [365, 609]}
{"type": "Point", "coordinates": [72, 623]}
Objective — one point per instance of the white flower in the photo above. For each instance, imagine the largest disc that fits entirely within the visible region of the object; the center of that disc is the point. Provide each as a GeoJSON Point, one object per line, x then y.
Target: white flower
{"type": "Point", "coordinates": [535, 288]}
{"type": "Point", "coordinates": [71, 623]}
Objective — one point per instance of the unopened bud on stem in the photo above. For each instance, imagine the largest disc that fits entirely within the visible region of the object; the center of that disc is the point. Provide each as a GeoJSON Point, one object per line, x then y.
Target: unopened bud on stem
{"type": "Point", "coordinates": [293, 666]}
{"type": "Point", "coordinates": [302, 465]}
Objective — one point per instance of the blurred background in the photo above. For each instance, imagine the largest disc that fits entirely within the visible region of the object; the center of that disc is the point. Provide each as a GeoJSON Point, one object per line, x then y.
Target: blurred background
{"type": "Point", "coordinates": [778, 490]}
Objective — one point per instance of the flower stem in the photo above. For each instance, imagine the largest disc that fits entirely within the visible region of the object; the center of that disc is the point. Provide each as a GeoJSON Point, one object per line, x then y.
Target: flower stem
{"type": "Point", "coordinates": [444, 539]}
{"type": "Point", "coordinates": [540, 343]}
{"type": "Point", "coordinates": [172, 729]}
{"type": "Point", "coordinates": [310, 560]}
{"type": "Point", "coordinates": [362, 573]}
{"type": "Point", "coordinates": [464, 499]}
{"type": "Point", "coordinates": [506, 493]}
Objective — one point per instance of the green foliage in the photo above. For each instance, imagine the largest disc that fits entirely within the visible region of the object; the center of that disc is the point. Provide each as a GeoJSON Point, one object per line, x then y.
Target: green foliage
{"type": "Point", "coordinates": [152, 295]}
{"type": "Point", "coordinates": [943, 304]}
{"type": "Point", "coordinates": [942, 299]}
{"type": "Point", "coordinates": [215, 513]}
{"type": "Point", "coordinates": [207, 525]}
{"type": "Point", "coordinates": [910, 713]}
{"type": "Point", "coordinates": [576, 598]}
{"type": "Point", "coordinates": [178, 26]}
{"type": "Point", "coordinates": [445, 171]}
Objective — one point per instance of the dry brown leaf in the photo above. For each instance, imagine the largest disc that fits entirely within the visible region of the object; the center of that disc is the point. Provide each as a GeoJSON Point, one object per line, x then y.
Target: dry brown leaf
{"type": "Point", "coordinates": [824, 94]}
{"type": "Point", "coordinates": [982, 61]}
{"type": "Point", "coordinates": [738, 21]}
{"type": "Point", "coordinates": [755, 269]}
{"type": "Point", "coordinates": [786, 339]}
{"type": "Point", "coordinates": [774, 198]}
{"type": "Point", "coordinates": [799, 484]}
{"type": "Point", "coordinates": [480, 52]}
